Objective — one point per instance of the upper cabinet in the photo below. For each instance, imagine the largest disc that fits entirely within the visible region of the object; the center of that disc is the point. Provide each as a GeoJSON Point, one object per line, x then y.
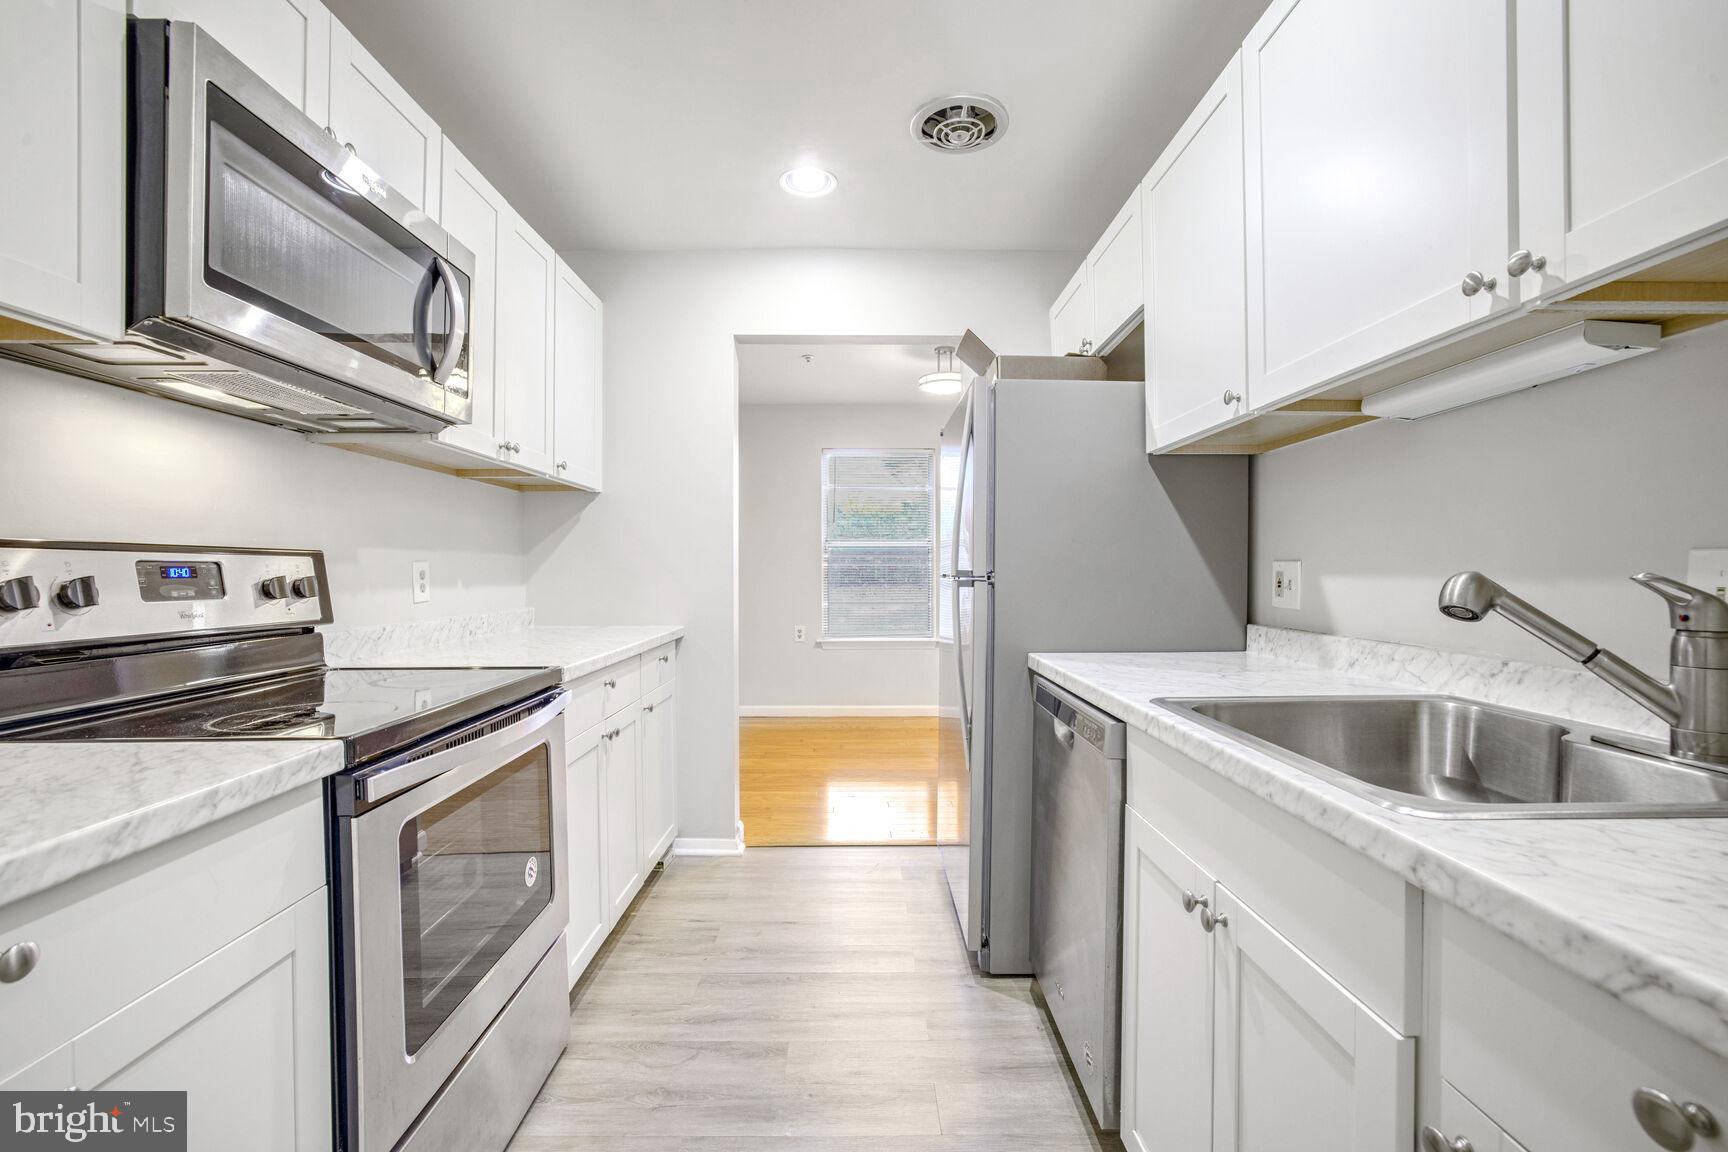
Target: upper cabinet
{"type": "Point", "coordinates": [1113, 270]}
{"type": "Point", "coordinates": [373, 114]}
{"type": "Point", "coordinates": [1196, 286]}
{"type": "Point", "coordinates": [1376, 182]}
{"type": "Point", "coordinates": [1622, 132]}
{"type": "Point", "coordinates": [473, 212]}
{"type": "Point", "coordinates": [287, 42]}
{"type": "Point", "coordinates": [63, 169]}
{"type": "Point", "coordinates": [526, 267]}
{"type": "Point", "coordinates": [1071, 317]}
{"type": "Point", "coordinates": [576, 314]}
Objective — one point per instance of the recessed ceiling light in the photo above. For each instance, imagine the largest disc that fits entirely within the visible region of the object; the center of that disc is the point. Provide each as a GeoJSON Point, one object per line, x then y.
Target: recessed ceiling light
{"type": "Point", "coordinates": [808, 180]}
{"type": "Point", "coordinates": [945, 381]}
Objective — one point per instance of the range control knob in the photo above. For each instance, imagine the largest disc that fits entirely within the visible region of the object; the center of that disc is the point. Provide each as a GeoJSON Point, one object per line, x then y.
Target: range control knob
{"type": "Point", "coordinates": [274, 588]}
{"type": "Point", "coordinates": [304, 587]}
{"type": "Point", "coordinates": [19, 594]}
{"type": "Point", "coordinates": [78, 592]}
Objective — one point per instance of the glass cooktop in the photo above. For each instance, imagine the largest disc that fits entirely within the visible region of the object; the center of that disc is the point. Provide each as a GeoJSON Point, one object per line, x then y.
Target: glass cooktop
{"type": "Point", "coordinates": [370, 709]}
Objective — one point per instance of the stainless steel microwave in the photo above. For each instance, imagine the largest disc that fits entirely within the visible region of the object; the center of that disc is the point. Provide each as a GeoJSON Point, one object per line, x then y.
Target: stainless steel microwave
{"type": "Point", "coordinates": [270, 272]}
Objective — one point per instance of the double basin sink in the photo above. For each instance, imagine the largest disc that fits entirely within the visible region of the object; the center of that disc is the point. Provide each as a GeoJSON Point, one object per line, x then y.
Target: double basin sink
{"type": "Point", "coordinates": [1446, 757]}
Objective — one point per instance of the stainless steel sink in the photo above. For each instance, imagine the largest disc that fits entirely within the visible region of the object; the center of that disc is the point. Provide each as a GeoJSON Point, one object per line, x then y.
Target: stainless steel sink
{"type": "Point", "coordinates": [1441, 756]}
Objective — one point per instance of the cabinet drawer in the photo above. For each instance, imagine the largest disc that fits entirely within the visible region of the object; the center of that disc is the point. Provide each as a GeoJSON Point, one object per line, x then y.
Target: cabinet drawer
{"type": "Point", "coordinates": [659, 666]}
{"type": "Point", "coordinates": [108, 937]}
{"type": "Point", "coordinates": [587, 701]}
{"type": "Point", "coordinates": [621, 684]}
{"type": "Point", "coordinates": [1552, 1061]}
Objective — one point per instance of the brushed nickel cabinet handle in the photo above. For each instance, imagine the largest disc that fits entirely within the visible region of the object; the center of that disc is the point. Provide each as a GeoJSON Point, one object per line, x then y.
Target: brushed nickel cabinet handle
{"type": "Point", "coordinates": [1669, 1123]}
{"type": "Point", "coordinates": [1210, 920]}
{"type": "Point", "coordinates": [1191, 902]}
{"type": "Point", "coordinates": [1434, 1140]}
{"type": "Point", "coordinates": [1475, 282]}
{"type": "Point", "coordinates": [18, 961]}
{"type": "Point", "coordinates": [1523, 261]}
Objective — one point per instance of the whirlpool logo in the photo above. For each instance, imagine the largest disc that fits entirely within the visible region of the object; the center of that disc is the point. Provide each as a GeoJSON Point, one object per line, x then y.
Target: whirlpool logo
{"type": "Point", "coordinates": [136, 1121]}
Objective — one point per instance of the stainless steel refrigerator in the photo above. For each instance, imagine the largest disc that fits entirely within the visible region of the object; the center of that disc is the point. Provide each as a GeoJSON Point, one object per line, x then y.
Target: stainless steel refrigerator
{"type": "Point", "coordinates": [1058, 534]}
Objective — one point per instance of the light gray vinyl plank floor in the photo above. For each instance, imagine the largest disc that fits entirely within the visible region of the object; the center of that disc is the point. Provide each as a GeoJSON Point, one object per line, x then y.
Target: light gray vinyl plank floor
{"type": "Point", "coordinates": [804, 1000]}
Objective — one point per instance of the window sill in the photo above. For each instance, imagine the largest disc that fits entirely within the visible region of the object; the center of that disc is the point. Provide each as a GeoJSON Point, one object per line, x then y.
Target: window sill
{"type": "Point", "coordinates": [886, 644]}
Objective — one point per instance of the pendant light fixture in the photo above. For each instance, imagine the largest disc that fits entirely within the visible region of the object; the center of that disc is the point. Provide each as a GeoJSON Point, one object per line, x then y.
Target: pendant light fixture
{"type": "Point", "coordinates": [945, 381]}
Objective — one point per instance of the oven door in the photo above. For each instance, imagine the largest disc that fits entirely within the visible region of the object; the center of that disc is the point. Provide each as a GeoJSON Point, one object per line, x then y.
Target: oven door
{"type": "Point", "coordinates": [452, 891]}
{"type": "Point", "coordinates": [281, 240]}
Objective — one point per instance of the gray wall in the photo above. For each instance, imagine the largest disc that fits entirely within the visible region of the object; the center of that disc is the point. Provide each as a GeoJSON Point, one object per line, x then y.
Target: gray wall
{"type": "Point", "coordinates": [87, 461]}
{"type": "Point", "coordinates": [780, 558]}
{"type": "Point", "coordinates": [1559, 493]}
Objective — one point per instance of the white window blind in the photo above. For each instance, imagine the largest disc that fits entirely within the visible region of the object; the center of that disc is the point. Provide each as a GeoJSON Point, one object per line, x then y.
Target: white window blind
{"type": "Point", "coordinates": [878, 551]}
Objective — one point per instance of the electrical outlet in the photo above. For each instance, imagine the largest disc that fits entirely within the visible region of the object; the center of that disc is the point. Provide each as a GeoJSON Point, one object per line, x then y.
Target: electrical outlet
{"type": "Point", "coordinates": [1287, 584]}
{"type": "Point", "coordinates": [797, 633]}
{"type": "Point", "coordinates": [1707, 568]}
{"type": "Point", "coordinates": [422, 581]}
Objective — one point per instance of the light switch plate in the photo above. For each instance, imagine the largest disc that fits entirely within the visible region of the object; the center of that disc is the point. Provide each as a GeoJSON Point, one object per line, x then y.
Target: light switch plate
{"type": "Point", "coordinates": [1287, 584]}
{"type": "Point", "coordinates": [422, 581]}
{"type": "Point", "coordinates": [1707, 568]}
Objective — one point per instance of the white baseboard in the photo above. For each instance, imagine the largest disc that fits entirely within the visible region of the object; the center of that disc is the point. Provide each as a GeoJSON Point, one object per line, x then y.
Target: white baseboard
{"type": "Point", "coordinates": [837, 709]}
{"type": "Point", "coordinates": [710, 846]}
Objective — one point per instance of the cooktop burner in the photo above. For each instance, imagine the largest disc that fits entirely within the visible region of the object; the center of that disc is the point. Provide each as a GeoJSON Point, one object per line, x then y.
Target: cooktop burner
{"type": "Point", "coordinates": [370, 709]}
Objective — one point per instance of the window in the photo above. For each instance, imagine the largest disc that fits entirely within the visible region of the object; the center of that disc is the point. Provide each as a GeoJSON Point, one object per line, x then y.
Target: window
{"type": "Point", "coordinates": [878, 546]}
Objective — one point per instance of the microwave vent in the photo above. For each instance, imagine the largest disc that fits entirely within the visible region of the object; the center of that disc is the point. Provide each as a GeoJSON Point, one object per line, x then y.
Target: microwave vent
{"type": "Point", "coordinates": [271, 393]}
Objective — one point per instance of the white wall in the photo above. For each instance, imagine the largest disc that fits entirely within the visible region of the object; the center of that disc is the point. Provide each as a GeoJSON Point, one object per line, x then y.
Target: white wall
{"type": "Point", "coordinates": [780, 559]}
{"type": "Point", "coordinates": [1559, 493]}
{"type": "Point", "coordinates": [658, 546]}
{"type": "Point", "coordinates": [86, 461]}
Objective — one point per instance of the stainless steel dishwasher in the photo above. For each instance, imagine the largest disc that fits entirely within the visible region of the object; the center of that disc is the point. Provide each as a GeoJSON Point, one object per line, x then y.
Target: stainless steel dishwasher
{"type": "Point", "coordinates": [1080, 768]}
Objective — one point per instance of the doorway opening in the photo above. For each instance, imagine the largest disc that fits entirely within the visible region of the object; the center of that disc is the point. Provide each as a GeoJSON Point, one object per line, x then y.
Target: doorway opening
{"type": "Point", "coordinates": [839, 607]}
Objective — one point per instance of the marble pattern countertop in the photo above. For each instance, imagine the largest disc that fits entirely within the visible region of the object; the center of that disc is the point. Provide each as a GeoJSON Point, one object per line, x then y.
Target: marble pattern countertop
{"type": "Point", "coordinates": [73, 807]}
{"type": "Point", "coordinates": [1638, 908]}
{"type": "Point", "coordinates": [578, 650]}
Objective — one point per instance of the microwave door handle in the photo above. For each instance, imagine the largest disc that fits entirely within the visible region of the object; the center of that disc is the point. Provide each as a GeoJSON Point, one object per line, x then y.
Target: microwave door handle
{"type": "Point", "coordinates": [458, 320]}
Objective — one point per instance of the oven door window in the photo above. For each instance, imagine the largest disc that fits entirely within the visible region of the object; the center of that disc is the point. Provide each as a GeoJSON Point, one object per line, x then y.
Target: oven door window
{"type": "Point", "coordinates": [475, 870]}
{"type": "Point", "coordinates": [291, 238]}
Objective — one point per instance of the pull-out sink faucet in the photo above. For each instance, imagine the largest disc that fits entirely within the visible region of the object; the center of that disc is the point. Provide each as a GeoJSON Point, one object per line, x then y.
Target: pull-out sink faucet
{"type": "Point", "coordinates": [1694, 704]}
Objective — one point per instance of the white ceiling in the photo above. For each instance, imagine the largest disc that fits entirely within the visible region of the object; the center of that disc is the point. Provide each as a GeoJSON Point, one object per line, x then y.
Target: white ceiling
{"type": "Point", "coordinates": [665, 124]}
{"type": "Point", "coordinates": [839, 373]}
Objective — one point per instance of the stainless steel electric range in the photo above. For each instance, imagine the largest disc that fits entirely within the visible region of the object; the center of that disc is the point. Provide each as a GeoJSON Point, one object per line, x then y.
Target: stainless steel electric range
{"type": "Point", "coordinates": [446, 823]}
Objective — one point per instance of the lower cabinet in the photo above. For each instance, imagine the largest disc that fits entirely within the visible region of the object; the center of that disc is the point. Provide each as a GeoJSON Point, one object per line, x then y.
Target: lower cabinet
{"type": "Point", "coordinates": [620, 769]}
{"type": "Point", "coordinates": [659, 819]}
{"type": "Point", "coordinates": [590, 917]}
{"type": "Point", "coordinates": [1233, 1039]}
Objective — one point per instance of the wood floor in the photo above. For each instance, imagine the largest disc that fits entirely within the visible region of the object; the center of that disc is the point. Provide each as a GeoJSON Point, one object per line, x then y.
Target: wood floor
{"type": "Point", "coordinates": [838, 780]}
{"type": "Point", "coordinates": [804, 999]}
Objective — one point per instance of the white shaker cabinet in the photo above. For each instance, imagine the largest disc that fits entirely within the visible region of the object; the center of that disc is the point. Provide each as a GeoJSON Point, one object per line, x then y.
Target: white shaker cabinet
{"type": "Point", "coordinates": [1378, 182]}
{"type": "Point", "coordinates": [1622, 132]}
{"type": "Point", "coordinates": [371, 112]}
{"type": "Point", "coordinates": [659, 816]}
{"type": "Point", "coordinates": [1196, 286]}
{"type": "Point", "coordinates": [1113, 270]}
{"type": "Point", "coordinates": [1166, 995]}
{"type": "Point", "coordinates": [620, 767]}
{"type": "Point", "coordinates": [1071, 317]}
{"type": "Point", "coordinates": [1299, 1063]}
{"type": "Point", "coordinates": [526, 271]}
{"type": "Point", "coordinates": [576, 313]}
{"type": "Point", "coordinates": [585, 818]}
{"type": "Point", "coordinates": [475, 214]}
{"type": "Point", "coordinates": [287, 42]}
{"type": "Point", "coordinates": [63, 168]}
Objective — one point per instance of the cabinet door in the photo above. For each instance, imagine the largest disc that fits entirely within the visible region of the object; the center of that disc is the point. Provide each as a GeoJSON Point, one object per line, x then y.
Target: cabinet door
{"type": "Point", "coordinates": [586, 825]}
{"type": "Point", "coordinates": [526, 265]}
{"type": "Point", "coordinates": [1166, 996]}
{"type": "Point", "coordinates": [287, 42]}
{"type": "Point", "coordinates": [245, 1032]}
{"type": "Point", "coordinates": [1071, 317]}
{"type": "Point", "coordinates": [374, 114]}
{"type": "Point", "coordinates": [1113, 270]}
{"type": "Point", "coordinates": [1622, 130]}
{"type": "Point", "coordinates": [1299, 1065]}
{"type": "Point", "coordinates": [63, 168]}
{"type": "Point", "coordinates": [620, 751]}
{"type": "Point", "coordinates": [659, 818]}
{"type": "Point", "coordinates": [1196, 283]}
{"type": "Point", "coordinates": [576, 380]}
{"type": "Point", "coordinates": [474, 213]}
{"type": "Point", "coordinates": [1377, 179]}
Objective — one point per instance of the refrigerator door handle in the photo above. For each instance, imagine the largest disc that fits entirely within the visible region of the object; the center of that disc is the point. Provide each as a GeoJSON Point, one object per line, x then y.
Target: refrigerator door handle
{"type": "Point", "coordinates": [961, 578]}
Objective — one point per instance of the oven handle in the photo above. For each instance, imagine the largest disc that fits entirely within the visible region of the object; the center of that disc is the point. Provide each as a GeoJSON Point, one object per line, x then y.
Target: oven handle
{"type": "Point", "coordinates": [390, 780]}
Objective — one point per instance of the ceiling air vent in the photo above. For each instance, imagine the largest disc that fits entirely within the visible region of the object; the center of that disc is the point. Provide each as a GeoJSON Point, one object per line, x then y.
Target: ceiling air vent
{"type": "Point", "coordinates": [960, 123]}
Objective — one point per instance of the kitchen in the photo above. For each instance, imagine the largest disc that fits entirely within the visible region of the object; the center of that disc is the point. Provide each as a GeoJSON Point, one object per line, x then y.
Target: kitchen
{"type": "Point", "coordinates": [1341, 242]}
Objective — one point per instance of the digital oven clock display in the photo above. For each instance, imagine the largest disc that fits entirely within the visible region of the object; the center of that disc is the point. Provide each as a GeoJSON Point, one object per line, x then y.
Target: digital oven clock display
{"type": "Point", "coordinates": [179, 571]}
{"type": "Point", "coordinates": [171, 580]}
